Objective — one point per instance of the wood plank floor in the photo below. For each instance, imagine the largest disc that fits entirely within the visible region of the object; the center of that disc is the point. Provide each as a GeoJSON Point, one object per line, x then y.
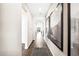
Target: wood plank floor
{"type": "Point", "coordinates": [35, 51]}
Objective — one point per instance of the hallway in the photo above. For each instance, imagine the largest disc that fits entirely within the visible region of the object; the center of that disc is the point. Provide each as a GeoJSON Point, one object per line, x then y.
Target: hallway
{"type": "Point", "coordinates": [37, 48]}
{"type": "Point", "coordinates": [42, 29]}
{"type": "Point", "coordinates": [39, 29]}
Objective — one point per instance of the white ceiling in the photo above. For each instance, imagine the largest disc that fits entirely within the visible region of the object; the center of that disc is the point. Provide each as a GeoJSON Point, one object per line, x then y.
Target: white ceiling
{"type": "Point", "coordinates": [38, 9]}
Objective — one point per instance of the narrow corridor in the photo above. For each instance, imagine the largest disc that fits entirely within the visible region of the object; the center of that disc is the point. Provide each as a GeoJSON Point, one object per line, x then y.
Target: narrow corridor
{"type": "Point", "coordinates": [37, 48]}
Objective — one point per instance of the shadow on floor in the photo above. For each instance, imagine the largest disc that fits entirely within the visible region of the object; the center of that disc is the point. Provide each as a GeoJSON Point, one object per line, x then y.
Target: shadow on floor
{"type": "Point", "coordinates": [34, 51]}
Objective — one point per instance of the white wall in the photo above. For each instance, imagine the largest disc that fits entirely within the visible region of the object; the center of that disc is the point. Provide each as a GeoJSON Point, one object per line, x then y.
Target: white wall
{"type": "Point", "coordinates": [10, 25]}
{"type": "Point", "coordinates": [24, 22]}
{"type": "Point", "coordinates": [24, 27]}
{"type": "Point", "coordinates": [27, 27]}
{"type": "Point", "coordinates": [53, 48]}
{"type": "Point", "coordinates": [30, 30]}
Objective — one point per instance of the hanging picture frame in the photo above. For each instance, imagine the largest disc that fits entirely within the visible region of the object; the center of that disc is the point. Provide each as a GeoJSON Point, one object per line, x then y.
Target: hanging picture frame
{"type": "Point", "coordinates": [55, 33]}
